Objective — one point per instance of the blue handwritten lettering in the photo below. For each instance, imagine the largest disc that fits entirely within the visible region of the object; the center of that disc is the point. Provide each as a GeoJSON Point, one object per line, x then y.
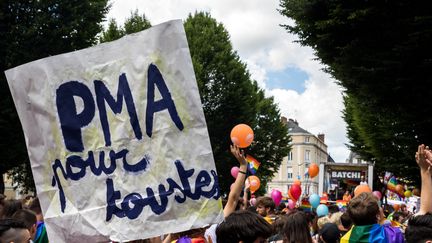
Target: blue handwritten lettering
{"type": "Point", "coordinates": [203, 180]}
{"type": "Point", "coordinates": [123, 91]}
{"type": "Point", "coordinates": [77, 163]}
{"type": "Point", "coordinates": [155, 78]}
{"type": "Point", "coordinates": [72, 122]}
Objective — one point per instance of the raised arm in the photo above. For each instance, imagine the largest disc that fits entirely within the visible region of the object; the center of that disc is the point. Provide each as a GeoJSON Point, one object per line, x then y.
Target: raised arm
{"type": "Point", "coordinates": [245, 195]}
{"type": "Point", "coordinates": [424, 160]}
{"type": "Point", "coordinates": [236, 189]}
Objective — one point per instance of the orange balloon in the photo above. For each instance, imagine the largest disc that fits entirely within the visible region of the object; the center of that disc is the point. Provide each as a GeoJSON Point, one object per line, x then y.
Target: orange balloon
{"type": "Point", "coordinates": [242, 135]}
{"type": "Point", "coordinates": [297, 182]}
{"type": "Point", "coordinates": [313, 170]}
{"type": "Point", "coordinates": [254, 183]}
{"type": "Point", "coordinates": [396, 207]}
{"type": "Point", "coordinates": [360, 189]}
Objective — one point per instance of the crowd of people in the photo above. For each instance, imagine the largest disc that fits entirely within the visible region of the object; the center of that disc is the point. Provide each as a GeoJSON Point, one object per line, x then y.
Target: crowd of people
{"type": "Point", "coordinates": [363, 221]}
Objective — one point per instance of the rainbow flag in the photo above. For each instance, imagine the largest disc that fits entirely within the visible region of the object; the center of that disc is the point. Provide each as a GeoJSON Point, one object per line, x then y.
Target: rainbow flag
{"type": "Point", "coordinates": [253, 164]}
{"type": "Point", "coordinates": [305, 206]}
{"type": "Point", "coordinates": [373, 233]}
{"type": "Point", "coordinates": [391, 184]}
{"type": "Point", "coordinates": [342, 204]}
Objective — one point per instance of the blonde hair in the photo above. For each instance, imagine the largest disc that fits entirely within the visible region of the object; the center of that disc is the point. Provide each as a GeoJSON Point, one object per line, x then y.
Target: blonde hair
{"type": "Point", "coordinates": [335, 218]}
{"type": "Point", "coordinates": [322, 221]}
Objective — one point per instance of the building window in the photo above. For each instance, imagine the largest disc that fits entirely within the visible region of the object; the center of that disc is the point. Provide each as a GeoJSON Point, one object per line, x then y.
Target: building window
{"type": "Point", "coordinates": [290, 172]}
{"type": "Point", "coordinates": [307, 155]}
{"type": "Point", "coordinates": [306, 139]}
{"type": "Point", "coordinates": [290, 156]}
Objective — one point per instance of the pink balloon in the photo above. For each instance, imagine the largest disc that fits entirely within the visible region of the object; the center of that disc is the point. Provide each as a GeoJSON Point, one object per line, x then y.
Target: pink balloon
{"type": "Point", "coordinates": [276, 195]}
{"type": "Point", "coordinates": [235, 171]}
{"type": "Point", "coordinates": [253, 201]}
{"type": "Point", "coordinates": [291, 204]}
{"type": "Point", "coordinates": [377, 194]}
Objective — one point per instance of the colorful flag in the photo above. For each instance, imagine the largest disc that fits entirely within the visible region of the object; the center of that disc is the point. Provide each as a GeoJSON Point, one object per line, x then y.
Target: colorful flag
{"type": "Point", "coordinates": [391, 185]}
{"type": "Point", "coordinates": [373, 233]}
{"type": "Point", "coordinates": [253, 164]}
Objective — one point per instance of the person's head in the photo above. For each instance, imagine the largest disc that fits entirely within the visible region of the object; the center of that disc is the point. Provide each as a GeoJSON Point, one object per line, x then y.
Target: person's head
{"type": "Point", "coordinates": [335, 218]}
{"type": "Point", "coordinates": [322, 221]}
{"type": "Point", "coordinates": [10, 207]}
{"type": "Point", "coordinates": [36, 208]}
{"type": "Point", "coordinates": [296, 229]}
{"type": "Point", "coordinates": [363, 209]}
{"type": "Point", "coordinates": [281, 207]}
{"type": "Point", "coordinates": [265, 206]}
{"type": "Point", "coordinates": [419, 229]}
{"type": "Point", "coordinates": [346, 221]}
{"type": "Point", "coordinates": [398, 216]}
{"type": "Point", "coordinates": [333, 209]}
{"type": "Point", "coordinates": [29, 219]}
{"type": "Point", "coordinates": [243, 226]}
{"type": "Point", "coordinates": [12, 230]}
{"type": "Point", "coordinates": [329, 233]}
{"type": "Point", "coordinates": [404, 209]}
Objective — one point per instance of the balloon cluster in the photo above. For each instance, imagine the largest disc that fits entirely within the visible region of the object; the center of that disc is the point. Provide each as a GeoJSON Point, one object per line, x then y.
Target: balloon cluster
{"type": "Point", "coordinates": [242, 135]}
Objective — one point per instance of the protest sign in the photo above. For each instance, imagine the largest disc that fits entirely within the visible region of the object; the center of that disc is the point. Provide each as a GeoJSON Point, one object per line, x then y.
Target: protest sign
{"type": "Point", "coordinates": [117, 139]}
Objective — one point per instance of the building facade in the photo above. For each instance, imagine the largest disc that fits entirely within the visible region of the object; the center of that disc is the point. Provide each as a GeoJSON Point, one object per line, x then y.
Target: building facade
{"type": "Point", "coordinates": [306, 148]}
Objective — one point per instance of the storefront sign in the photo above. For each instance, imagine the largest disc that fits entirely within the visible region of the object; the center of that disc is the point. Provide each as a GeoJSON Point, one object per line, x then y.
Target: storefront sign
{"type": "Point", "coordinates": [346, 174]}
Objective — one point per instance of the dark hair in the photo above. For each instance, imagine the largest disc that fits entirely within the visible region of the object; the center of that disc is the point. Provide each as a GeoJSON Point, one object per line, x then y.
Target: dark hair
{"type": "Point", "coordinates": [346, 220]}
{"type": "Point", "coordinates": [28, 217]}
{"type": "Point", "coordinates": [296, 229]}
{"type": "Point", "coordinates": [333, 208]}
{"type": "Point", "coordinates": [243, 226]}
{"type": "Point", "coordinates": [330, 233]}
{"type": "Point", "coordinates": [35, 206]}
{"type": "Point", "coordinates": [363, 209]}
{"type": "Point", "coordinates": [10, 207]}
{"type": "Point", "coordinates": [419, 229]}
{"type": "Point", "coordinates": [7, 224]}
{"type": "Point", "coordinates": [267, 202]}
{"type": "Point", "coordinates": [281, 207]}
{"type": "Point", "coordinates": [397, 215]}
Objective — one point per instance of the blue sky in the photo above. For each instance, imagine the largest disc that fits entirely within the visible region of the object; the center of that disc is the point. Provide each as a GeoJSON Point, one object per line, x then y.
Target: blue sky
{"type": "Point", "coordinates": [289, 78]}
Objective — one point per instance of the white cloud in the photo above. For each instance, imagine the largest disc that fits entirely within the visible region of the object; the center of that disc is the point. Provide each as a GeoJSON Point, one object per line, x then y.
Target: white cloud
{"type": "Point", "coordinates": [254, 27]}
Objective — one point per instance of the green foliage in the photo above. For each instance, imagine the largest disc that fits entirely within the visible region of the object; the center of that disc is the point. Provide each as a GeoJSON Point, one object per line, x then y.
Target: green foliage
{"type": "Point", "coordinates": [380, 52]}
{"type": "Point", "coordinates": [133, 24]}
{"type": "Point", "coordinates": [230, 97]}
{"type": "Point", "coordinates": [31, 30]}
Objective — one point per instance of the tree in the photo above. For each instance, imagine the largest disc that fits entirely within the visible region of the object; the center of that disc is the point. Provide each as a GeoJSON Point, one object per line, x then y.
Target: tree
{"type": "Point", "coordinates": [31, 30]}
{"type": "Point", "coordinates": [133, 24]}
{"type": "Point", "coordinates": [230, 97]}
{"type": "Point", "coordinates": [379, 52]}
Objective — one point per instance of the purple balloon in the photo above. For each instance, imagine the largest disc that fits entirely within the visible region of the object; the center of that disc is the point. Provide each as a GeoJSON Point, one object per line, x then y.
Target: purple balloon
{"type": "Point", "coordinates": [235, 171]}
{"type": "Point", "coordinates": [377, 194]}
{"type": "Point", "coordinates": [253, 201]}
{"type": "Point", "coordinates": [276, 195]}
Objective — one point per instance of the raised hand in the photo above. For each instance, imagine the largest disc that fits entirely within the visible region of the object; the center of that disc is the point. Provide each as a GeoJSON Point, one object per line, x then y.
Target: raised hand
{"type": "Point", "coordinates": [238, 154]}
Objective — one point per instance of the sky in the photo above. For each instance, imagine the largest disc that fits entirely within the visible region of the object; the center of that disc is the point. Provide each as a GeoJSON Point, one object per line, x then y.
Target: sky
{"type": "Point", "coordinates": [282, 67]}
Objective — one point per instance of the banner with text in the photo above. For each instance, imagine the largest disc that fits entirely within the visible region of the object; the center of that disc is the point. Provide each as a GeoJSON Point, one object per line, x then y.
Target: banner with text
{"type": "Point", "coordinates": [117, 139]}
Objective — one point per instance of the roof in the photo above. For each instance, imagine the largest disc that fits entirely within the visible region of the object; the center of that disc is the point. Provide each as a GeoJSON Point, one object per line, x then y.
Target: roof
{"type": "Point", "coordinates": [293, 127]}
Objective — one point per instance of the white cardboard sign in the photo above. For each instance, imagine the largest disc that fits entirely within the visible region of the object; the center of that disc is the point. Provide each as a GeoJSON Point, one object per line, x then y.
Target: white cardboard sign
{"type": "Point", "coordinates": [117, 139]}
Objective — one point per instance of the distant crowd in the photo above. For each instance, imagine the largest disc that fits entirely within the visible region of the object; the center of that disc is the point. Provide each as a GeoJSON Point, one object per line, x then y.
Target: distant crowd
{"type": "Point", "coordinates": [364, 219]}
